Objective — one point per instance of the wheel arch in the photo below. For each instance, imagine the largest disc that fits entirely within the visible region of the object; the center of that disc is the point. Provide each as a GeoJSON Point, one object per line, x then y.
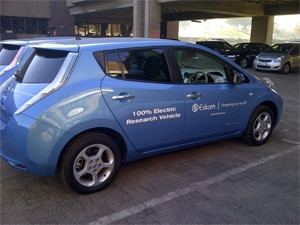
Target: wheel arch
{"type": "Point", "coordinates": [272, 106]}
{"type": "Point", "coordinates": [107, 131]}
{"type": "Point", "coordinates": [288, 62]}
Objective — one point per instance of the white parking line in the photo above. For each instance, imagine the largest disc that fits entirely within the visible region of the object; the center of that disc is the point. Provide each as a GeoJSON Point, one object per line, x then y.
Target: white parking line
{"type": "Point", "coordinates": [117, 216]}
{"type": "Point", "coordinates": [291, 142]}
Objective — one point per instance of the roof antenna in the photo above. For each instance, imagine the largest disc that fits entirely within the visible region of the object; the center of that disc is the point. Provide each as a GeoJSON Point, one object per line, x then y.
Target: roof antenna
{"type": "Point", "coordinates": [65, 29]}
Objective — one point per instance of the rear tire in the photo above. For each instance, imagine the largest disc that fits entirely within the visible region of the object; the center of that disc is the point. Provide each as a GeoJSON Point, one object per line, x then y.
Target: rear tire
{"type": "Point", "coordinates": [90, 163]}
{"type": "Point", "coordinates": [260, 126]}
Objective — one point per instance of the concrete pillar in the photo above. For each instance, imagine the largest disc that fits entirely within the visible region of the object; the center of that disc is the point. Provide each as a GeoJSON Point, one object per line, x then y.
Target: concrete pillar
{"type": "Point", "coordinates": [152, 19]}
{"type": "Point", "coordinates": [262, 29]}
{"type": "Point", "coordinates": [138, 18]}
{"type": "Point", "coordinates": [104, 27]}
{"type": "Point", "coordinates": [146, 18]}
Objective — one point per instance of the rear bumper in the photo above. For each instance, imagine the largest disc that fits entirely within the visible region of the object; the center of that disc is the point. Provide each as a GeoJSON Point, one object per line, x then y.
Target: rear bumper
{"type": "Point", "coordinates": [23, 150]}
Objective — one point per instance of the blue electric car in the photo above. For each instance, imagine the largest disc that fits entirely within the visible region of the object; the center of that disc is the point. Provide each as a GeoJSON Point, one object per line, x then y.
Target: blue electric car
{"type": "Point", "coordinates": [15, 53]}
{"type": "Point", "coordinates": [85, 106]}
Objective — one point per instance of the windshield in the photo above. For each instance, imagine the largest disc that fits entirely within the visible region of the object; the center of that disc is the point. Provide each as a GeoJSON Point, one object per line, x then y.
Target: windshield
{"type": "Point", "coordinates": [224, 45]}
{"type": "Point", "coordinates": [219, 46]}
{"type": "Point", "coordinates": [8, 53]}
{"type": "Point", "coordinates": [241, 47]}
{"type": "Point", "coordinates": [279, 48]}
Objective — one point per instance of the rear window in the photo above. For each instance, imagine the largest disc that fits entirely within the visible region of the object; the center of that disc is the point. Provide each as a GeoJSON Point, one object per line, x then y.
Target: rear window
{"type": "Point", "coordinates": [219, 46]}
{"type": "Point", "coordinates": [44, 66]}
{"type": "Point", "coordinates": [206, 44]}
{"type": "Point", "coordinates": [7, 54]}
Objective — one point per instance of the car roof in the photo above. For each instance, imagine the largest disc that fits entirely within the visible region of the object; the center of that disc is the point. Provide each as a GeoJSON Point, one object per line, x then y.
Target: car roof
{"type": "Point", "coordinates": [213, 40]}
{"type": "Point", "coordinates": [94, 44]}
{"type": "Point", "coordinates": [14, 42]}
{"type": "Point", "coordinates": [251, 43]}
{"type": "Point", "coordinates": [287, 43]}
{"type": "Point", "coordinates": [27, 41]}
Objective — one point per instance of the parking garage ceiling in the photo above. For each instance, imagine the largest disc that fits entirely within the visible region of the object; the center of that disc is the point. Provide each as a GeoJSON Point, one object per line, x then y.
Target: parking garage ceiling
{"type": "Point", "coordinates": [186, 10]}
{"type": "Point", "coordinates": [175, 10]}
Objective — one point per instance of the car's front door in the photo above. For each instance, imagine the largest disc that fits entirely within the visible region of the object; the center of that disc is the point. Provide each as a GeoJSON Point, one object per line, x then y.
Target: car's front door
{"type": "Point", "coordinates": [215, 106]}
{"type": "Point", "coordinates": [295, 56]}
{"type": "Point", "coordinates": [148, 107]}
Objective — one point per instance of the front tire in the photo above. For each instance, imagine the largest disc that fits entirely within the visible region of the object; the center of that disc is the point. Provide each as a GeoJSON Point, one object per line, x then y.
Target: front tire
{"type": "Point", "coordinates": [286, 68]}
{"type": "Point", "coordinates": [260, 126]}
{"type": "Point", "coordinates": [90, 163]}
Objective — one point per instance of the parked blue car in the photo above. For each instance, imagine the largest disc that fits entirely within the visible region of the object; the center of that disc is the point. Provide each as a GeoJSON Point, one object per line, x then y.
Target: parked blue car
{"type": "Point", "coordinates": [85, 106]}
{"type": "Point", "coordinates": [15, 53]}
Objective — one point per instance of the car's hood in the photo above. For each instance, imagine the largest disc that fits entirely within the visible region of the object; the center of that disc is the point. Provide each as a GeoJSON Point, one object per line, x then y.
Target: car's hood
{"type": "Point", "coordinates": [271, 55]}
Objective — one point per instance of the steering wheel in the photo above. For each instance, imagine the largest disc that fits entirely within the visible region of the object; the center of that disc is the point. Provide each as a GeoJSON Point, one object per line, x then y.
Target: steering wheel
{"type": "Point", "coordinates": [196, 76]}
{"type": "Point", "coordinates": [219, 80]}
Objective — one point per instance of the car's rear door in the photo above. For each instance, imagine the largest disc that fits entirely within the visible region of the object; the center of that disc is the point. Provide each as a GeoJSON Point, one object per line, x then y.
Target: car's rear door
{"type": "Point", "coordinates": [147, 105]}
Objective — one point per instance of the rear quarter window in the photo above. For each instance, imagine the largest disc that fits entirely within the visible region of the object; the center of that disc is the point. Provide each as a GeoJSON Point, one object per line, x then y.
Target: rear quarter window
{"type": "Point", "coordinates": [44, 66]}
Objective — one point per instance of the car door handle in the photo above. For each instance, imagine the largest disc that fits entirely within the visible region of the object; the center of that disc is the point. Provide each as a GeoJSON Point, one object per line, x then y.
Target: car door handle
{"type": "Point", "coordinates": [123, 97]}
{"type": "Point", "coordinates": [194, 95]}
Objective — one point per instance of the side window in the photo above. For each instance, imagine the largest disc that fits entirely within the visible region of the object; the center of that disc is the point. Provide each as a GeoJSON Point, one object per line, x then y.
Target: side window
{"type": "Point", "coordinates": [199, 67]}
{"type": "Point", "coordinates": [138, 64]}
{"type": "Point", "coordinates": [113, 66]}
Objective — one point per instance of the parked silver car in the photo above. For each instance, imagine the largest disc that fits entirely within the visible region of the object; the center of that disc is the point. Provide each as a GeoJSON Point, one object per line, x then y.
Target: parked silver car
{"type": "Point", "coordinates": [279, 57]}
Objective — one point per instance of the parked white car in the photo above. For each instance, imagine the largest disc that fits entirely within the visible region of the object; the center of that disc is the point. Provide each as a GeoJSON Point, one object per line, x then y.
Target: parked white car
{"type": "Point", "coordinates": [279, 57]}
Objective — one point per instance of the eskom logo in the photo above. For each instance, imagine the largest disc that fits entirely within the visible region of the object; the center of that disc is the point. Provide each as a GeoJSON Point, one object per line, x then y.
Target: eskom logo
{"type": "Point", "coordinates": [202, 107]}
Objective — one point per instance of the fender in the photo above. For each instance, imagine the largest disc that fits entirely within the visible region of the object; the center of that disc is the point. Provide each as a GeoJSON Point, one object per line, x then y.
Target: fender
{"type": "Point", "coordinates": [258, 96]}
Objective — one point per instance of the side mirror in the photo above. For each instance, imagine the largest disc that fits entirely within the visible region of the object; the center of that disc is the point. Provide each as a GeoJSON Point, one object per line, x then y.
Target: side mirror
{"type": "Point", "coordinates": [238, 78]}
